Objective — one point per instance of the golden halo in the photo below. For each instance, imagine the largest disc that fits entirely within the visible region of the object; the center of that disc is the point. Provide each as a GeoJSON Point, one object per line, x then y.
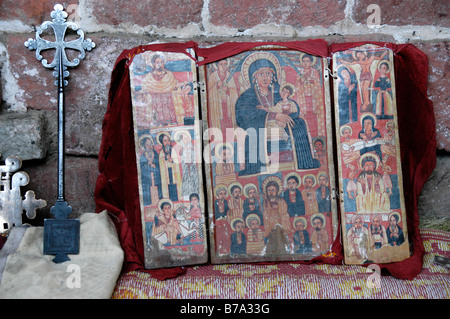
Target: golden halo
{"type": "Point", "coordinates": [252, 216]}
{"type": "Point", "coordinates": [233, 184]}
{"type": "Point", "coordinates": [295, 174]}
{"type": "Point", "coordinates": [220, 187]}
{"type": "Point", "coordinates": [247, 187]}
{"type": "Point", "coordinates": [161, 133]}
{"type": "Point", "coordinates": [234, 220]}
{"type": "Point", "coordinates": [345, 127]}
{"type": "Point", "coordinates": [307, 54]}
{"type": "Point", "coordinates": [277, 180]}
{"type": "Point", "coordinates": [389, 64]}
{"type": "Point", "coordinates": [390, 122]}
{"type": "Point", "coordinates": [396, 213]}
{"type": "Point", "coordinates": [302, 219]}
{"type": "Point", "coordinates": [375, 156]}
{"type": "Point", "coordinates": [176, 135]}
{"type": "Point", "coordinates": [220, 146]}
{"type": "Point", "coordinates": [365, 114]}
{"type": "Point", "coordinates": [142, 138]}
{"type": "Point", "coordinates": [164, 200]}
{"type": "Point", "coordinates": [321, 216]}
{"type": "Point", "coordinates": [312, 177]}
{"type": "Point", "coordinates": [257, 56]}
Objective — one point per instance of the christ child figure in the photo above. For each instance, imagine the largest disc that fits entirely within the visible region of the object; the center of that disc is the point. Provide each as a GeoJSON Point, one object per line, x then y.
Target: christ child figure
{"type": "Point", "coordinates": [284, 106]}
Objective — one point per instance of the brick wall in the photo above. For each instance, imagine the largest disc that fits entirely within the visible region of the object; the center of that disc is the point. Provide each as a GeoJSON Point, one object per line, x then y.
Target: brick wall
{"type": "Point", "coordinates": [114, 25]}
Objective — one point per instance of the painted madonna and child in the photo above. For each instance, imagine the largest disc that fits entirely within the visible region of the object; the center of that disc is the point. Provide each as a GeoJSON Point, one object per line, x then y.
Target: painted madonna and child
{"type": "Point", "coordinates": [272, 197]}
{"type": "Point", "coordinates": [373, 213]}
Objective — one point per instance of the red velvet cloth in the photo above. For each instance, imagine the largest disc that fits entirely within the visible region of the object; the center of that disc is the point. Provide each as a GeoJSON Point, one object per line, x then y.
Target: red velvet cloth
{"type": "Point", "coordinates": [117, 186]}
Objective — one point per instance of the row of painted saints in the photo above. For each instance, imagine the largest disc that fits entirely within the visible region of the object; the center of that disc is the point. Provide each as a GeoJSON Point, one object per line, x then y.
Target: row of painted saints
{"type": "Point", "coordinates": [271, 181]}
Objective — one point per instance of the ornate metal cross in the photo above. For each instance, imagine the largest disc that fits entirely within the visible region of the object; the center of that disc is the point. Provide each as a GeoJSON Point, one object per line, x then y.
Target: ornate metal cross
{"type": "Point", "coordinates": [62, 227]}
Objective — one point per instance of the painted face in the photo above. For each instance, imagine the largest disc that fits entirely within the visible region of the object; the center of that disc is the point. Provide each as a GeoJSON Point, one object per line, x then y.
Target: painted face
{"type": "Point", "coordinates": [376, 222]}
{"type": "Point", "coordinates": [323, 180]}
{"type": "Point", "coordinates": [239, 227]}
{"type": "Point", "coordinates": [222, 194]}
{"type": "Point", "coordinates": [369, 167]}
{"type": "Point", "coordinates": [383, 68]}
{"type": "Point", "coordinates": [367, 125]}
{"type": "Point", "coordinates": [347, 134]}
{"type": "Point", "coordinates": [358, 223]}
{"type": "Point", "coordinates": [317, 223]}
{"type": "Point", "coordinates": [271, 191]}
{"type": "Point", "coordinates": [226, 154]}
{"type": "Point", "coordinates": [299, 226]}
{"type": "Point", "coordinates": [392, 221]}
{"type": "Point", "coordinates": [318, 145]}
{"type": "Point", "coordinates": [222, 65]}
{"type": "Point", "coordinates": [194, 201]}
{"type": "Point", "coordinates": [167, 209]}
{"type": "Point", "coordinates": [252, 193]}
{"type": "Point", "coordinates": [285, 93]}
{"type": "Point", "coordinates": [158, 64]}
{"type": "Point", "coordinates": [360, 56]}
{"type": "Point", "coordinates": [148, 145]}
{"type": "Point", "coordinates": [236, 192]}
{"type": "Point", "coordinates": [254, 224]}
{"type": "Point", "coordinates": [292, 184]}
{"type": "Point", "coordinates": [166, 141]}
{"type": "Point", "coordinates": [264, 77]}
{"type": "Point", "coordinates": [306, 63]}
{"type": "Point", "coordinates": [309, 183]}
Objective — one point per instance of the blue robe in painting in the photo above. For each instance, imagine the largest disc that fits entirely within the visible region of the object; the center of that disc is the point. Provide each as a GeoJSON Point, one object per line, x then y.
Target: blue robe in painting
{"type": "Point", "coordinates": [252, 119]}
{"type": "Point", "coordinates": [296, 208]}
{"type": "Point", "coordinates": [146, 178]}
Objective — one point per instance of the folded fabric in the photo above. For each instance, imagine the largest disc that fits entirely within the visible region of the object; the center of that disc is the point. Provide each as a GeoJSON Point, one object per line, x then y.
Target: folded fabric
{"type": "Point", "coordinates": [25, 272]}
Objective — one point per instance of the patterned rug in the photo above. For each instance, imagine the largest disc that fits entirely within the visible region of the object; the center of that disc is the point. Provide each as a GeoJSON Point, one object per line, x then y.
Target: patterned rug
{"type": "Point", "coordinates": [296, 281]}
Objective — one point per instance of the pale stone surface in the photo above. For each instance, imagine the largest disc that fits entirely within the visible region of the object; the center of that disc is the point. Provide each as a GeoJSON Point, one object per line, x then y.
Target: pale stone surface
{"type": "Point", "coordinates": [22, 134]}
{"type": "Point", "coordinates": [434, 201]}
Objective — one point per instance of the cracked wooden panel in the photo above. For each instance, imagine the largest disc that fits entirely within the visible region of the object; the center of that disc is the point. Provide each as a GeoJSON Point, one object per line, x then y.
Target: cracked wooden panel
{"type": "Point", "coordinates": [372, 204]}
{"type": "Point", "coordinates": [168, 154]}
{"type": "Point", "coordinates": [269, 162]}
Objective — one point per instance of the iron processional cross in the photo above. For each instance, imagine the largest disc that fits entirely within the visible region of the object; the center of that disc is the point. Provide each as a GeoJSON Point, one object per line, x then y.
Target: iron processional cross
{"type": "Point", "coordinates": [61, 235]}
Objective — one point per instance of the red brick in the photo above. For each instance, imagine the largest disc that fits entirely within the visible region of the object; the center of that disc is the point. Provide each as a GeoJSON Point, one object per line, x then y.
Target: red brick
{"type": "Point", "coordinates": [80, 178]}
{"type": "Point", "coordinates": [161, 13]}
{"type": "Point", "coordinates": [245, 14]}
{"type": "Point", "coordinates": [406, 12]}
{"type": "Point", "coordinates": [86, 95]}
{"type": "Point", "coordinates": [438, 88]}
{"type": "Point", "coordinates": [29, 12]}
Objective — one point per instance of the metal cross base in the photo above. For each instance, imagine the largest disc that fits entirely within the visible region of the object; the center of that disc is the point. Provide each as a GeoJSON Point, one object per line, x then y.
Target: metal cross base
{"type": "Point", "coordinates": [61, 235]}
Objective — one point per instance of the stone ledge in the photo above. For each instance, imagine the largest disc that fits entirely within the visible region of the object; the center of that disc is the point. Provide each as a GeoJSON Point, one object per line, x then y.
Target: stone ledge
{"type": "Point", "coordinates": [22, 134]}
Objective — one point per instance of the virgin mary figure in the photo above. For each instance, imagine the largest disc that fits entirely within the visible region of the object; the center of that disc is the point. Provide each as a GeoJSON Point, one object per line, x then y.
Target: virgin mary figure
{"type": "Point", "coordinates": [251, 116]}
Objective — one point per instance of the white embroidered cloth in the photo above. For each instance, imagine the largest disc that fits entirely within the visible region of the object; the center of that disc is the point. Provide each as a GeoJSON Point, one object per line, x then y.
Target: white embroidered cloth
{"type": "Point", "coordinates": [25, 272]}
